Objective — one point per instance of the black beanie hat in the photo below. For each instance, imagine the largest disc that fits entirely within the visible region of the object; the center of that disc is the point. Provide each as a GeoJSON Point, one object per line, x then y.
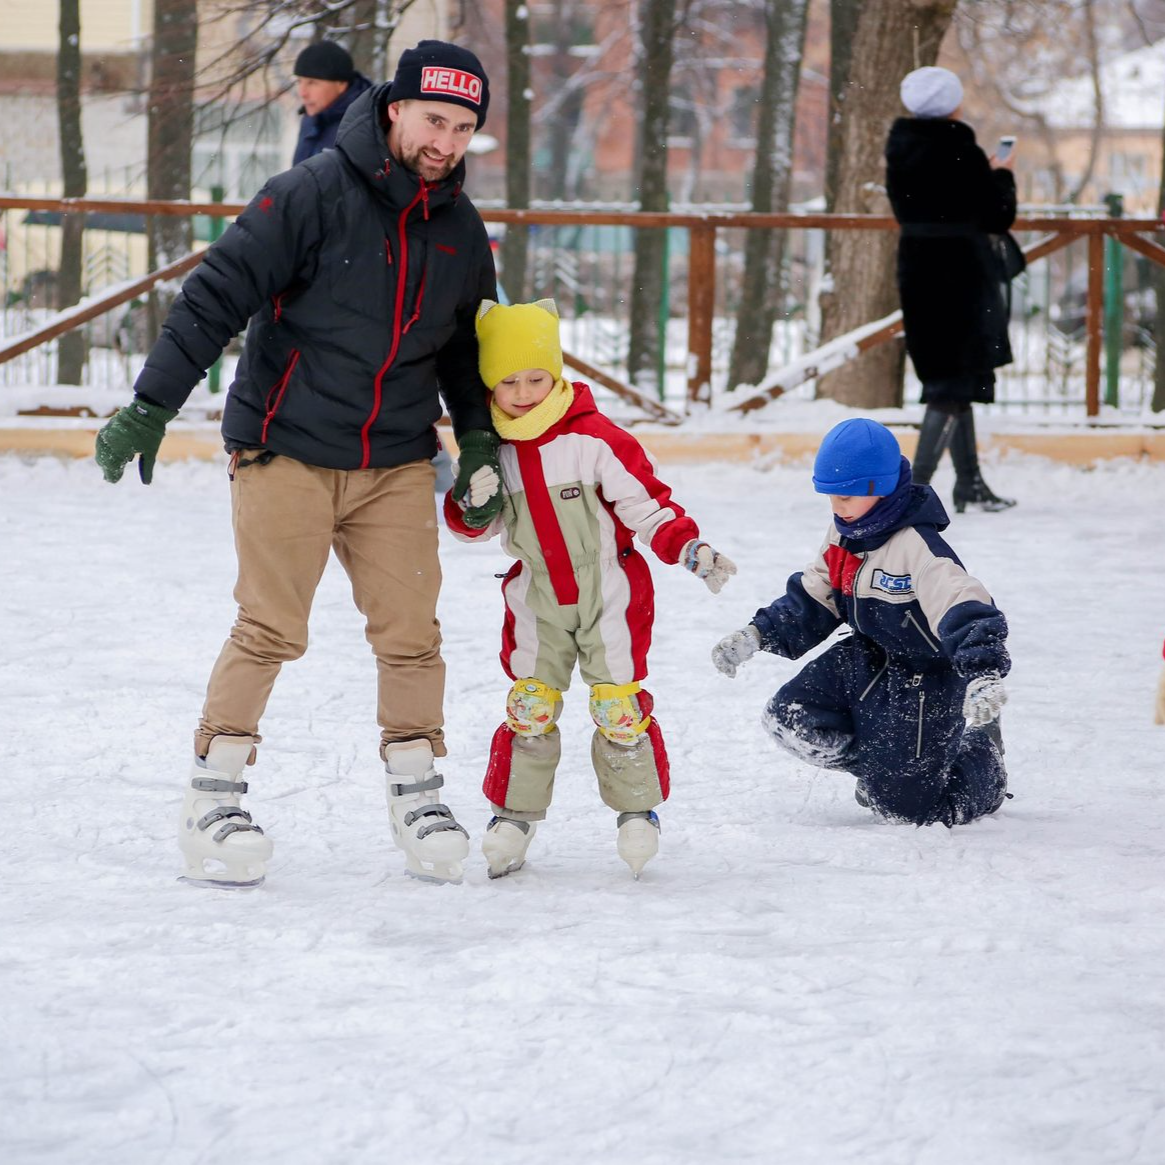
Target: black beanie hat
{"type": "Point", "coordinates": [438, 71]}
{"type": "Point", "coordinates": [325, 61]}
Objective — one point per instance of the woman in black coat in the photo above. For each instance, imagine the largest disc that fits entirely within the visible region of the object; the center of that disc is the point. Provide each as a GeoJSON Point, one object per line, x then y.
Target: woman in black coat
{"type": "Point", "coordinates": [949, 200]}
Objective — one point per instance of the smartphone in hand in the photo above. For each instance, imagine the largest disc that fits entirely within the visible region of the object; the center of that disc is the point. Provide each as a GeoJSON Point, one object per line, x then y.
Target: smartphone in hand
{"type": "Point", "coordinates": [1006, 145]}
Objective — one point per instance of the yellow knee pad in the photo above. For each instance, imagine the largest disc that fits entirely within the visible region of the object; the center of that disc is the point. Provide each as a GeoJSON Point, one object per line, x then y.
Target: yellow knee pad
{"type": "Point", "coordinates": [532, 707]}
{"type": "Point", "coordinates": [615, 710]}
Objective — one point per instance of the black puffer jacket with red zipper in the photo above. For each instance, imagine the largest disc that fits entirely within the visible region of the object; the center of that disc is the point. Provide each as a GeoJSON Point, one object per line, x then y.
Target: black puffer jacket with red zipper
{"type": "Point", "coordinates": [360, 282]}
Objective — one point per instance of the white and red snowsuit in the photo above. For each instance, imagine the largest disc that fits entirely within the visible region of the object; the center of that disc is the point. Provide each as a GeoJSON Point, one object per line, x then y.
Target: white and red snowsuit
{"type": "Point", "coordinates": [576, 497]}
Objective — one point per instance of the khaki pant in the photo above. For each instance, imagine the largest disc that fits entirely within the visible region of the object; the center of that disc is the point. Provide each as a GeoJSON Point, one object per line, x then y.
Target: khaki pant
{"type": "Point", "coordinates": [382, 524]}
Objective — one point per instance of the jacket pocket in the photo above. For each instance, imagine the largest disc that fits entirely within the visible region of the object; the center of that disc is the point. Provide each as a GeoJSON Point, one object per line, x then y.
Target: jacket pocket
{"type": "Point", "coordinates": [277, 392]}
{"type": "Point", "coordinates": [911, 621]}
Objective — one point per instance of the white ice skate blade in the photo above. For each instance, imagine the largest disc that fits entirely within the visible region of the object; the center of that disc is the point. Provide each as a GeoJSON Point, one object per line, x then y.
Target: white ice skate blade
{"type": "Point", "coordinates": [451, 875]}
{"type": "Point", "coordinates": [220, 884]}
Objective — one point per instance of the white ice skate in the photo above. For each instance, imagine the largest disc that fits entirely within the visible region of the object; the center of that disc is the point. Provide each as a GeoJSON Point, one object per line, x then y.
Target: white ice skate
{"type": "Point", "coordinates": [221, 845]}
{"type": "Point", "coordinates": [433, 843]}
{"type": "Point", "coordinates": [505, 843]}
{"type": "Point", "coordinates": [638, 839]}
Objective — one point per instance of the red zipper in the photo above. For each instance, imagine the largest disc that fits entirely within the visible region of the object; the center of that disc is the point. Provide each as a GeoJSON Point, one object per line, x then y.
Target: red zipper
{"type": "Point", "coordinates": [277, 392]}
{"type": "Point", "coordinates": [420, 299]}
{"type": "Point", "coordinates": [402, 269]}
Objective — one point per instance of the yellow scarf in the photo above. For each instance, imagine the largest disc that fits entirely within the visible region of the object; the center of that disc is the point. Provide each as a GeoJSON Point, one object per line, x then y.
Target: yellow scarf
{"type": "Point", "coordinates": [549, 411]}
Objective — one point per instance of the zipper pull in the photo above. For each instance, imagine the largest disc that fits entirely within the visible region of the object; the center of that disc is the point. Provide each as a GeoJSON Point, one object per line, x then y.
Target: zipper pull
{"type": "Point", "coordinates": [425, 200]}
{"type": "Point", "coordinates": [916, 679]}
{"type": "Point", "coordinates": [387, 251]}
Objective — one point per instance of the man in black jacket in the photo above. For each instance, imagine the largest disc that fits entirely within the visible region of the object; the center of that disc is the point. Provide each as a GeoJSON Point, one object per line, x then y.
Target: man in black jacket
{"type": "Point", "coordinates": [327, 83]}
{"type": "Point", "coordinates": [359, 272]}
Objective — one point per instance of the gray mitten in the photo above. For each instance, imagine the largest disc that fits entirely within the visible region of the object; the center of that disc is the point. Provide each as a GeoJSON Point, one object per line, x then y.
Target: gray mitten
{"type": "Point", "coordinates": [984, 700]}
{"type": "Point", "coordinates": [735, 649]}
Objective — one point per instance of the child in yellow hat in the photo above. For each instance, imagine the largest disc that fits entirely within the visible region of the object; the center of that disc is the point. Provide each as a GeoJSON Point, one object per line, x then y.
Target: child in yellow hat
{"type": "Point", "coordinates": [577, 490]}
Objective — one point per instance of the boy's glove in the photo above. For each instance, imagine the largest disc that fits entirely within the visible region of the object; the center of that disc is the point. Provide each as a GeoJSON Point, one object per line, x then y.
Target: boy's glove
{"type": "Point", "coordinates": [479, 450]}
{"type": "Point", "coordinates": [984, 699]}
{"type": "Point", "coordinates": [136, 429]}
{"type": "Point", "coordinates": [707, 564]}
{"type": "Point", "coordinates": [734, 649]}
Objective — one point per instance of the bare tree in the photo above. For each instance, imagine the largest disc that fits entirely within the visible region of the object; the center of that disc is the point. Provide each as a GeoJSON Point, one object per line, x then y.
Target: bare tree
{"type": "Point", "coordinates": [70, 275]}
{"type": "Point", "coordinates": [273, 27]}
{"type": "Point", "coordinates": [653, 80]}
{"type": "Point", "coordinates": [515, 244]}
{"type": "Point", "coordinates": [843, 26]}
{"type": "Point", "coordinates": [785, 23]}
{"type": "Point", "coordinates": [170, 135]}
{"type": "Point", "coordinates": [560, 111]}
{"type": "Point", "coordinates": [892, 37]}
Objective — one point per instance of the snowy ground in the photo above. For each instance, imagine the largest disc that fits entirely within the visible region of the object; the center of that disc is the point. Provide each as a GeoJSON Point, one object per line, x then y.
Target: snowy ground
{"type": "Point", "coordinates": [790, 982]}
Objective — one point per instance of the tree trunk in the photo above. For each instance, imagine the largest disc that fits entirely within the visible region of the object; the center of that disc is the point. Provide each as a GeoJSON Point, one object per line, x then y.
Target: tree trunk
{"type": "Point", "coordinates": [785, 22]}
{"type": "Point", "coordinates": [70, 275]}
{"type": "Point", "coordinates": [648, 286]}
{"type": "Point", "coordinates": [561, 128]}
{"type": "Point", "coordinates": [515, 245]}
{"type": "Point", "coordinates": [843, 27]}
{"type": "Point", "coordinates": [364, 40]}
{"type": "Point", "coordinates": [1158, 404]}
{"type": "Point", "coordinates": [170, 134]}
{"type": "Point", "coordinates": [892, 38]}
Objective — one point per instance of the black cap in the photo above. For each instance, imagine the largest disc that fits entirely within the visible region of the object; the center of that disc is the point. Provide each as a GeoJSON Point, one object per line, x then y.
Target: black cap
{"type": "Point", "coordinates": [325, 61]}
{"type": "Point", "coordinates": [438, 71]}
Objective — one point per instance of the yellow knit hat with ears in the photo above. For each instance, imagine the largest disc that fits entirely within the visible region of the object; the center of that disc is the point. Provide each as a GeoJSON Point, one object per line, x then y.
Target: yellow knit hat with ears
{"type": "Point", "coordinates": [517, 336]}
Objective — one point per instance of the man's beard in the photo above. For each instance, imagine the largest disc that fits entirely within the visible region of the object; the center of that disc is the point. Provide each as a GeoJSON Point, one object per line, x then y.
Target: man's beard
{"type": "Point", "coordinates": [416, 161]}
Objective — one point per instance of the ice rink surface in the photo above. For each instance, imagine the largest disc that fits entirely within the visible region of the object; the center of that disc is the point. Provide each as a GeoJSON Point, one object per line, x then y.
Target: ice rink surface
{"type": "Point", "coordinates": [791, 980]}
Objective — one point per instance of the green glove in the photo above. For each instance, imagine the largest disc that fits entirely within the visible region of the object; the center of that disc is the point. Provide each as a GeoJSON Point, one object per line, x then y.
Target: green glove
{"type": "Point", "coordinates": [137, 428]}
{"type": "Point", "coordinates": [479, 448]}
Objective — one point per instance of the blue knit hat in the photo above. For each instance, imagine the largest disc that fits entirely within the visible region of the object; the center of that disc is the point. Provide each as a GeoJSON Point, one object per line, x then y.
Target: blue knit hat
{"type": "Point", "coordinates": [858, 458]}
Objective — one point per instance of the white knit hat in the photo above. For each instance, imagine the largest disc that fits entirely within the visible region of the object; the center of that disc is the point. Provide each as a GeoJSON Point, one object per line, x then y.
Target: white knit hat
{"type": "Point", "coordinates": [931, 92]}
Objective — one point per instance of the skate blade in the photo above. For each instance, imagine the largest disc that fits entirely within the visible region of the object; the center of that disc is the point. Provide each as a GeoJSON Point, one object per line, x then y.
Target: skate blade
{"type": "Point", "coordinates": [511, 868]}
{"type": "Point", "coordinates": [451, 876]}
{"type": "Point", "coordinates": [221, 884]}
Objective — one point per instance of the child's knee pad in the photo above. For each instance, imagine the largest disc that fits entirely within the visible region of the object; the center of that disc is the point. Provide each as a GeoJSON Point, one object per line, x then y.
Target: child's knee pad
{"type": "Point", "coordinates": [532, 707]}
{"type": "Point", "coordinates": [620, 711]}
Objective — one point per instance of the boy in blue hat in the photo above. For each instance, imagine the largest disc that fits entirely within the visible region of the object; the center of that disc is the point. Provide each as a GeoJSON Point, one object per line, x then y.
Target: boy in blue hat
{"type": "Point", "coordinates": [909, 703]}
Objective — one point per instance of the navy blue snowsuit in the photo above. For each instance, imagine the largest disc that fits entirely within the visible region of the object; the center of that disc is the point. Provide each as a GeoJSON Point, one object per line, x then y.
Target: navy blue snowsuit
{"type": "Point", "coordinates": [885, 703]}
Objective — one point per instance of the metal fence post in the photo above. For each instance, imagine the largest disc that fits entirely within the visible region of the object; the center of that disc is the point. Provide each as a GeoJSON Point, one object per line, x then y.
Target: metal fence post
{"type": "Point", "coordinates": [1113, 304]}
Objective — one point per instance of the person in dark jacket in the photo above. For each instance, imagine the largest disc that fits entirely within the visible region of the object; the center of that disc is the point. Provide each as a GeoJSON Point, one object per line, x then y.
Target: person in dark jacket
{"type": "Point", "coordinates": [909, 703]}
{"type": "Point", "coordinates": [359, 272]}
{"type": "Point", "coordinates": [327, 83]}
{"type": "Point", "coordinates": [949, 199]}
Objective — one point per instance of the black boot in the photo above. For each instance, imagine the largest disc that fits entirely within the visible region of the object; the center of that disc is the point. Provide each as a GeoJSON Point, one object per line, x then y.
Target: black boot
{"type": "Point", "coordinates": [970, 488]}
{"type": "Point", "coordinates": [934, 435]}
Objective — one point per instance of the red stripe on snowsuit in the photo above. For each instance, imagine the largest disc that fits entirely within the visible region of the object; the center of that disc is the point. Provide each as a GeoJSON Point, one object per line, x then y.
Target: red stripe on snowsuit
{"type": "Point", "coordinates": [658, 749]}
{"type": "Point", "coordinates": [509, 639]}
{"type": "Point", "coordinates": [550, 536]}
{"type": "Point", "coordinates": [640, 613]}
{"type": "Point", "coordinates": [497, 774]}
{"type": "Point", "coordinates": [842, 567]}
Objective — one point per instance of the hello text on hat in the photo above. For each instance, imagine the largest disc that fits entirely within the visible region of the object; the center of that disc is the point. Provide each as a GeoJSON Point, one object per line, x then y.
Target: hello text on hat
{"type": "Point", "coordinates": [438, 71]}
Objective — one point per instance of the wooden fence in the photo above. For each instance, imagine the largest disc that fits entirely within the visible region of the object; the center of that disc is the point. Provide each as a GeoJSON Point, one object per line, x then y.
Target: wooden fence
{"type": "Point", "coordinates": [702, 229]}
